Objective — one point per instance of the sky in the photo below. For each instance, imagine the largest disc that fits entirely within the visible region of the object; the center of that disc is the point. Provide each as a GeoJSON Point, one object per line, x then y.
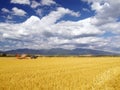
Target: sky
{"type": "Point", "coordinates": [68, 24]}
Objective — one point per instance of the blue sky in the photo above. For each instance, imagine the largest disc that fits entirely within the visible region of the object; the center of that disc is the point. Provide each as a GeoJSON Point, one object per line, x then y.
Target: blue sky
{"type": "Point", "coordinates": [78, 6]}
{"type": "Point", "coordinates": [69, 24]}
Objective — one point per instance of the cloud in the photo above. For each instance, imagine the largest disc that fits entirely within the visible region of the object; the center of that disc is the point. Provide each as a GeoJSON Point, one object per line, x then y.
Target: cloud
{"type": "Point", "coordinates": [21, 2]}
{"type": "Point", "coordinates": [35, 4]}
{"type": "Point", "coordinates": [5, 10]}
{"type": "Point", "coordinates": [9, 17]}
{"type": "Point", "coordinates": [11, 13]}
{"type": "Point", "coordinates": [39, 12]}
{"type": "Point", "coordinates": [18, 12]}
{"type": "Point", "coordinates": [78, 29]}
{"type": "Point", "coordinates": [105, 10]}
{"type": "Point", "coordinates": [48, 33]}
{"type": "Point", "coordinates": [56, 15]}
{"type": "Point", "coordinates": [86, 9]}
{"type": "Point", "coordinates": [47, 2]}
{"type": "Point", "coordinates": [106, 15]}
{"type": "Point", "coordinates": [106, 20]}
{"type": "Point", "coordinates": [113, 27]}
{"type": "Point", "coordinates": [52, 32]}
{"type": "Point", "coordinates": [96, 6]}
{"type": "Point", "coordinates": [8, 29]}
{"type": "Point", "coordinates": [109, 44]}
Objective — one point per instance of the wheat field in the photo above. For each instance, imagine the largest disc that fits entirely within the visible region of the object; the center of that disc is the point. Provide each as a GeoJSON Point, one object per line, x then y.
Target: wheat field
{"type": "Point", "coordinates": [60, 73]}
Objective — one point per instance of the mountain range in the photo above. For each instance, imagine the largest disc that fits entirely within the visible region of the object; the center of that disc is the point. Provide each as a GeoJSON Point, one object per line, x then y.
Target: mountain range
{"type": "Point", "coordinates": [60, 51]}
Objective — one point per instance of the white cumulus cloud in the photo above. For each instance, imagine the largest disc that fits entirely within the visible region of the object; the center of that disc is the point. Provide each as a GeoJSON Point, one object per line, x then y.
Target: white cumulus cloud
{"type": "Point", "coordinates": [49, 32]}
{"type": "Point", "coordinates": [56, 15]}
{"type": "Point", "coordinates": [47, 2]}
{"type": "Point", "coordinates": [21, 2]}
{"type": "Point", "coordinates": [5, 10]}
{"type": "Point", "coordinates": [35, 4]}
{"type": "Point", "coordinates": [18, 12]}
{"type": "Point", "coordinates": [46, 33]}
{"type": "Point", "coordinates": [105, 10]}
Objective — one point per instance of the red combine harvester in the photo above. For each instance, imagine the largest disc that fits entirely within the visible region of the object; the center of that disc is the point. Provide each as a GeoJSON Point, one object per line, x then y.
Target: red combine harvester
{"type": "Point", "coordinates": [23, 56]}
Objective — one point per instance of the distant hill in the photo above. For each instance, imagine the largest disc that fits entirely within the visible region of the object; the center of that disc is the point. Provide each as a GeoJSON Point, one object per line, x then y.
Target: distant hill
{"type": "Point", "coordinates": [1, 52]}
{"type": "Point", "coordinates": [60, 51]}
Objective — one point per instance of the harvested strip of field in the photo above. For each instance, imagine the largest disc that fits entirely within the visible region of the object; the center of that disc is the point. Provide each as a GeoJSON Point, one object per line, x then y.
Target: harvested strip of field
{"type": "Point", "coordinates": [60, 73]}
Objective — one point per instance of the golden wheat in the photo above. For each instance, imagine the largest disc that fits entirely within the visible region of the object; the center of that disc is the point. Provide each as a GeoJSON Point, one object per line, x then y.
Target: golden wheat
{"type": "Point", "coordinates": [60, 73]}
